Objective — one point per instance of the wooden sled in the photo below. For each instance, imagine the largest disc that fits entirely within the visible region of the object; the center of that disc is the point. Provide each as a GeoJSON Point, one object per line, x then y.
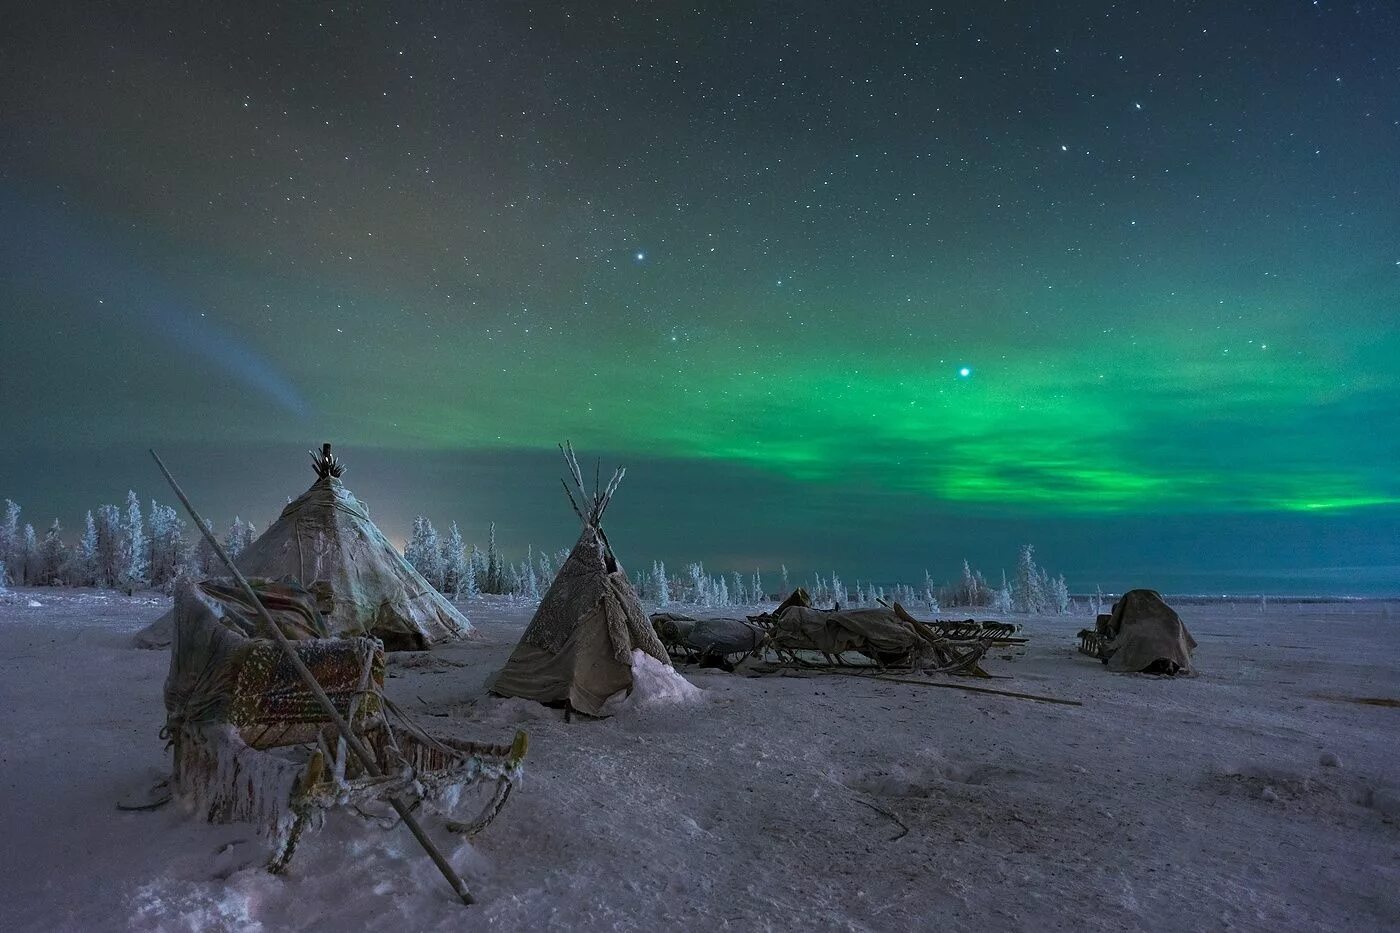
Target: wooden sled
{"type": "Point", "coordinates": [274, 759]}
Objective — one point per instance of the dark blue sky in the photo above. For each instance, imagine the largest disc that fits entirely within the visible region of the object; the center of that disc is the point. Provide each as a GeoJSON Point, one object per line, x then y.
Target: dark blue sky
{"type": "Point", "coordinates": [858, 289]}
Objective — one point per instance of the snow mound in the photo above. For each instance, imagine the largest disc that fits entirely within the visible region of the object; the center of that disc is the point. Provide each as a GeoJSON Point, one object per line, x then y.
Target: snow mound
{"type": "Point", "coordinates": [654, 683]}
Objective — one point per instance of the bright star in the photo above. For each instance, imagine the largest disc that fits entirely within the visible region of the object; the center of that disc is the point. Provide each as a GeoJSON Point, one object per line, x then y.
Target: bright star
{"type": "Point", "coordinates": [965, 372]}
{"type": "Point", "coordinates": [641, 256]}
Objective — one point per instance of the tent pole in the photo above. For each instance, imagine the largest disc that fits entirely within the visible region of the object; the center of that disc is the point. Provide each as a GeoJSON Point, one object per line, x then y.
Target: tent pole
{"type": "Point", "coordinates": [351, 739]}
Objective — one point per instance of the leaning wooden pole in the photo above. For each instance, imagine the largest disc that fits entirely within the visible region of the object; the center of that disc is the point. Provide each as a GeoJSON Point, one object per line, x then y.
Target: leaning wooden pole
{"type": "Point", "coordinates": [351, 739]}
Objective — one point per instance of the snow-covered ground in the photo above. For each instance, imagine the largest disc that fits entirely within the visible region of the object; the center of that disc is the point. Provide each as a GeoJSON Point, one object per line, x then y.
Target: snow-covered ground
{"type": "Point", "coordinates": [1253, 796]}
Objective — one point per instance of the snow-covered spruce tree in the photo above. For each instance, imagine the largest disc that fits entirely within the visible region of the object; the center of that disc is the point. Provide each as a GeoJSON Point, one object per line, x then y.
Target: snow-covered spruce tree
{"type": "Point", "coordinates": [1059, 595]}
{"type": "Point", "coordinates": [530, 581]}
{"type": "Point", "coordinates": [720, 589]}
{"type": "Point", "coordinates": [663, 586]}
{"type": "Point", "coordinates": [495, 569]}
{"type": "Point", "coordinates": [1029, 588]}
{"type": "Point", "coordinates": [546, 569]}
{"type": "Point", "coordinates": [424, 552]}
{"type": "Point", "coordinates": [785, 590]}
{"type": "Point", "coordinates": [10, 540]}
{"type": "Point", "coordinates": [699, 594]}
{"type": "Point", "coordinates": [757, 587]}
{"type": "Point", "coordinates": [838, 590]}
{"type": "Point", "coordinates": [27, 556]}
{"type": "Point", "coordinates": [238, 537]}
{"type": "Point", "coordinates": [53, 557]}
{"type": "Point", "coordinates": [169, 551]}
{"type": "Point", "coordinates": [1001, 599]}
{"type": "Point", "coordinates": [454, 562]}
{"type": "Point", "coordinates": [477, 562]}
{"type": "Point", "coordinates": [82, 566]}
{"type": "Point", "coordinates": [135, 560]}
{"type": "Point", "coordinates": [109, 546]}
{"type": "Point", "coordinates": [736, 589]}
{"type": "Point", "coordinates": [203, 561]}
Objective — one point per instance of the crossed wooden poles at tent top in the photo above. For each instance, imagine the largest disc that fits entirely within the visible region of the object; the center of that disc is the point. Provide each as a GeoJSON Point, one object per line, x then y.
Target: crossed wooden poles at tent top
{"type": "Point", "coordinates": [351, 739]}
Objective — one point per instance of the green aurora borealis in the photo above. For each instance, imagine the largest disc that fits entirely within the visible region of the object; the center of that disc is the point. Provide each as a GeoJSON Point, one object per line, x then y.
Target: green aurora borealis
{"type": "Point", "coordinates": [1165, 245]}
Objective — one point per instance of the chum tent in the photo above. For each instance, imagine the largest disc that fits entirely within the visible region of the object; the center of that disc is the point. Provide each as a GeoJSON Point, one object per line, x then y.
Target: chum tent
{"type": "Point", "coordinates": [326, 542]}
{"type": "Point", "coordinates": [589, 632]}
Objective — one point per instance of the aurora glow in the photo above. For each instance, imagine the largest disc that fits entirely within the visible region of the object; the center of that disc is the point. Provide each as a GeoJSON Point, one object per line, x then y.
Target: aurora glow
{"type": "Point", "coordinates": [1102, 265]}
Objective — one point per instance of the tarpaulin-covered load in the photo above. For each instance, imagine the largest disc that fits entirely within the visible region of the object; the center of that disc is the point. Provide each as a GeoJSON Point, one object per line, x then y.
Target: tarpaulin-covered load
{"type": "Point", "coordinates": [707, 640]}
{"type": "Point", "coordinates": [252, 743]}
{"type": "Point", "coordinates": [326, 541]}
{"type": "Point", "coordinates": [578, 648]}
{"type": "Point", "coordinates": [1145, 634]}
{"type": "Point", "coordinates": [885, 636]}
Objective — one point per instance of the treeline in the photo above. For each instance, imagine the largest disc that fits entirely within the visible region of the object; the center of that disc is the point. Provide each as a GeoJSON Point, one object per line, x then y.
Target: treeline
{"type": "Point", "coordinates": [128, 549]}
{"type": "Point", "coordinates": [122, 549]}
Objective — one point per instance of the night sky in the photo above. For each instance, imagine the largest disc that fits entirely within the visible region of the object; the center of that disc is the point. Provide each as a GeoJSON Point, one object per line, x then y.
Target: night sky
{"type": "Point", "coordinates": [864, 287]}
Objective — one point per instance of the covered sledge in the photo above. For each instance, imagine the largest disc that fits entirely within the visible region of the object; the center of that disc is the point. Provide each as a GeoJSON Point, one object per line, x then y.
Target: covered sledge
{"type": "Point", "coordinates": [1141, 635]}
{"type": "Point", "coordinates": [252, 743]}
{"type": "Point", "coordinates": [589, 632]}
{"type": "Point", "coordinates": [325, 541]}
{"type": "Point", "coordinates": [887, 637]}
{"type": "Point", "coordinates": [715, 642]}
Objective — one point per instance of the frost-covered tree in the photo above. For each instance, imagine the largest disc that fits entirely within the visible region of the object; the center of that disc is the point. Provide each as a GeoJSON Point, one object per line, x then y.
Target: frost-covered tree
{"type": "Point", "coordinates": [838, 590]}
{"type": "Point", "coordinates": [1026, 594]}
{"type": "Point", "coordinates": [1059, 595]}
{"type": "Point", "coordinates": [477, 561]}
{"type": "Point", "coordinates": [135, 560]}
{"type": "Point", "coordinates": [10, 540]}
{"type": "Point", "coordinates": [1001, 599]}
{"type": "Point", "coordinates": [82, 567]}
{"type": "Point", "coordinates": [757, 587]}
{"type": "Point", "coordinates": [546, 569]}
{"type": "Point", "coordinates": [531, 581]}
{"type": "Point", "coordinates": [240, 535]}
{"type": "Point", "coordinates": [699, 585]}
{"type": "Point", "coordinates": [424, 552]}
{"type": "Point", "coordinates": [454, 562]}
{"type": "Point", "coordinates": [663, 586]}
{"type": "Point", "coordinates": [785, 590]}
{"type": "Point", "coordinates": [109, 546]}
{"type": "Point", "coordinates": [204, 562]}
{"type": "Point", "coordinates": [495, 568]}
{"type": "Point", "coordinates": [27, 556]}
{"type": "Point", "coordinates": [53, 557]}
{"type": "Point", "coordinates": [169, 551]}
{"type": "Point", "coordinates": [970, 590]}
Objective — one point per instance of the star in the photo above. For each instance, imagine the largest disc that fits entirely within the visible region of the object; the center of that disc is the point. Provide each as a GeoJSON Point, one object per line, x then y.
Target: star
{"type": "Point", "coordinates": [965, 371]}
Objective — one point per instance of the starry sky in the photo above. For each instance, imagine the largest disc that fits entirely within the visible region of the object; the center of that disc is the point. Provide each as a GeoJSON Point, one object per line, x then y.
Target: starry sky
{"type": "Point", "coordinates": [865, 289]}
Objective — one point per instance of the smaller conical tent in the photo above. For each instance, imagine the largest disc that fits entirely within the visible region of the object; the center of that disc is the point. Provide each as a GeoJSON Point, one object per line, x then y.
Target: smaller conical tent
{"type": "Point", "coordinates": [579, 647]}
{"type": "Point", "coordinates": [326, 542]}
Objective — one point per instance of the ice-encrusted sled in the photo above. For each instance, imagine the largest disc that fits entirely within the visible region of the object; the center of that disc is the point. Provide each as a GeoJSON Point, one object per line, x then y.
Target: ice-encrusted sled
{"type": "Point", "coordinates": [252, 744]}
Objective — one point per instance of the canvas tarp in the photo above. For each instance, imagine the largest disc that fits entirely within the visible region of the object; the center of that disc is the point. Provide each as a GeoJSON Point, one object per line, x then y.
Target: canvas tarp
{"type": "Point", "coordinates": [578, 646]}
{"type": "Point", "coordinates": [876, 633]}
{"type": "Point", "coordinates": [326, 541]}
{"type": "Point", "coordinates": [1143, 630]}
{"type": "Point", "coordinates": [709, 638]}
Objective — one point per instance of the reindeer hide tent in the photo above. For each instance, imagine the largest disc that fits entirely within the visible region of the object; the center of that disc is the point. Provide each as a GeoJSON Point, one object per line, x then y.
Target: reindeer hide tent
{"type": "Point", "coordinates": [579, 646]}
{"type": "Point", "coordinates": [325, 541]}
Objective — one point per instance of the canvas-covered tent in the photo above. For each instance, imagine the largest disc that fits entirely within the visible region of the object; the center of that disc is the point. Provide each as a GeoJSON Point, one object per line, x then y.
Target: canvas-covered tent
{"type": "Point", "coordinates": [1145, 634]}
{"type": "Point", "coordinates": [325, 541]}
{"type": "Point", "coordinates": [580, 647]}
